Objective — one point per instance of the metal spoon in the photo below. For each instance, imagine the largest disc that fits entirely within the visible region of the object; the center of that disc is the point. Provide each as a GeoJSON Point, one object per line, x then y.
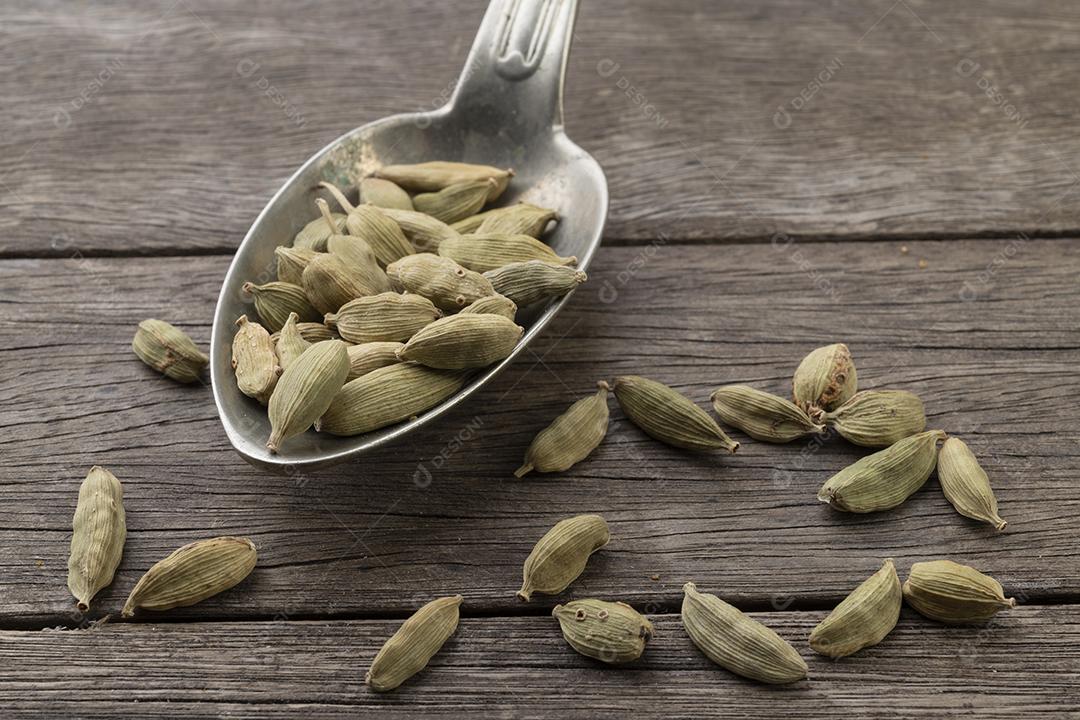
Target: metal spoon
{"type": "Point", "coordinates": [506, 111]}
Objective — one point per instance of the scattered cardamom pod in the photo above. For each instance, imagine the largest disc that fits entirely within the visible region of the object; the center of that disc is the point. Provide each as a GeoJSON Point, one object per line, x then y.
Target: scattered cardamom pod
{"type": "Point", "coordinates": [97, 538]}
{"type": "Point", "coordinates": [388, 316]}
{"type": "Point", "coordinates": [385, 194]}
{"type": "Point", "coordinates": [965, 484]}
{"type": "Point", "coordinates": [612, 632]}
{"type": "Point", "coordinates": [455, 202]}
{"type": "Point", "coordinates": [290, 344]}
{"type": "Point", "coordinates": [315, 234]}
{"type": "Point", "coordinates": [414, 644]}
{"type": "Point", "coordinates": [439, 279]}
{"type": "Point", "coordinates": [489, 252]}
{"type": "Point", "coordinates": [492, 305]}
{"type": "Point", "coordinates": [438, 174]}
{"type": "Point", "coordinates": [737, 642]}
{"type": "Point", "coordinates": [193, 573]}
{"type": "Point", "coordinates": [954, 594]}
{"type": "Point", "coordinates": [169, 350]}
{"type": "Point", "coordinates": [365, 357]}
{"type": "Point", "coordinates": [330, 282]}
{"type": "Point", "coordinates": [877, 418]}
{"type": "Point", "coordinates": [306, 389]}
{"type": "Point", "coordinates": [275, 300]}
{"type": "Point", "coordinates": [373, 225]}
{"type": "Point", "coordinates": [291, 262]}
{"type": "Point", "coordinates": [357, 254]}
{"type": "Point", "coordinates": [863, 618]}
{"type": "Point", "coordinates": [254, 360]}
{"type": "Point", "coordinates": [423, 231]}
{"type": "Point", "coordinates": [570, 437]}
{"type": "Point", "coordinates": [560, 556]}
{"type": "Point", "coordinates": [885, 479]}
{"type": "Point", "coordinates": [762, 416]}
{"type": "Point", "coordinates": [669, 416]}
{"type": "Point", "coordinates": [519, 219]}
{"type": "Point", "coordinates": [825, 378]}
{"type": "Point", "coordinates": [460, 342]}
{"type": "Point", "coordinates": [529, 282]}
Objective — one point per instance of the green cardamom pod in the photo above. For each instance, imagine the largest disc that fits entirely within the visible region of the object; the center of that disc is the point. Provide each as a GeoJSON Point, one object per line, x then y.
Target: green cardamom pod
{"type": "Point", "coordinates": [439, 279]}
{"type": "Point", "coordinates": [460, 342]}
{"type": "Point", "coordinates": [414, 644]}
{"type": "Point", "coordinates": [762, 416]}
{"type": "Point", "coordinates": [365, 357]}
{"type": "Point", "coordinates": [371, 224]}
{"type": "Point", "coordinates": [385, 194]}
{"type": "Point", "coordinates": [612, 632]}
{"type": "Point", "coordinates": [825, 379]}
{"type": "Point", "coordinates": [290, 344]}
{"type": "Point", "coordinates": [519, 219]}
{"type": "Point", "coordinates": [193, 573]}
{"type": "Point", "coordinates": [570, 437]}
{"type": "Point", "coordinates": [669, 416]}
{"type": "Point", "coordinates": [97, 540]}
{"type": "Point", "coordinates": [529, 282]}
{"type": "Point", "coordinates": [311, 331]}
{"type": "Point", "coordinates": [358, 256]}
{"type": "Point", "coordinates": [965, 484]}
{"type": "Point", "coordinates": [254, 360]}
{"type": "Point", "coordinates": [737, 642]}
{"type": "Point", "coordinates": [388, 316]}
{"type": "Point", "coordinates": [423, 231]}
{"type": "Point", "coordinates": [560, 556]}
{"type": "Point", "coordinates": [877, 418]}
{"type": "Point", "coordinates": [455, 202]}
{"type": "Point", "coordinates": [492, 305]}
{"type": "Point", "coordinates": [274, 301]}
{"type": "Point", "coordinates": [330, 282]}
{"type": "Point", "coordinates": [314, 235]}
{"type": "Point", "coordinates": [863, 618]}
{"type": "Point", "coordinates": [471, 223]}
{"type": "Point", "coordinates": [291, 262]}
{"type": "Point", "coordinates": [439, 174]}
{"type": "Point", "coordinates": [306, 389]}
{"type": "Point", "coordinates": [954, 594]}
{"type": "Point", "coordinates": [885, 479]}
{"type": "Point", "coordinates": [489, 252]}
{"type": "Point", "coordinates": [169, 350]}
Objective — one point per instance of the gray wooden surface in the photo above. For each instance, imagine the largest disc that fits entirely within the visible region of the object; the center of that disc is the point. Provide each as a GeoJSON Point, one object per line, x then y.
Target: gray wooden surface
{"type": "Point", "coordinates": [925, 224]}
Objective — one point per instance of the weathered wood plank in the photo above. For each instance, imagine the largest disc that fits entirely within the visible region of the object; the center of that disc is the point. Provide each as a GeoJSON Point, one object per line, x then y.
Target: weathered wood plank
{"type": "Point", "coordinates": [443, 514]}
{"type": "Point", "coordinates": [165, 126]}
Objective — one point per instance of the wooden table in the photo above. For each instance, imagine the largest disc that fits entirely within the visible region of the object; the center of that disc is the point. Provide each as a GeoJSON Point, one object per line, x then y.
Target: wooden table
{"type": "Point", "coordinates": [899, 175]}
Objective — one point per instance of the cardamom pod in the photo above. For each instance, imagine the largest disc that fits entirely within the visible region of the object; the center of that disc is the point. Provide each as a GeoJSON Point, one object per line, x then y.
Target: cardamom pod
{"type": "Point", "coordinates": [965, 484]}
{"type": "Point", "coordinates": [570, 437]}
{"type": "Point", "coordinates": [311, 331]}
{"type": "Point", "coordinates": [953, 593]}
{"type": "Point", "coordinates": [291, 262]}
{"type": "Point", "coordinates": [489, 252]}
{"type": "Point", "coordinates": [825, 378]}
{"type": "Point", "coordinates": [439, 279]}
{"type": "Point", "coordinates": [423, 231]}
{"type": "Point", "coordinates": [471, 223]}
{"type": "Point", "coordinates": [492, 305]}
{"type": "Point", "coordinates": [388, 316]}
{"type": "Point", "coordinates": [385, 194]}
{"type": "Point", "coordinates": [357, 254]}
{"type": "Point", "coordinates": [97, 538]}
{"type": "Point", "coordinates": [863, 618]}
{"type": "Point", "coordinates": [877, 418]}
{"type": "Point", "coordinates": [290, 344]}
{"type": "Point", "coordinates": [193, 573]}
{"type": "Point", "coordinates": [306, 389]}
{"type": "Point", "coordinates": [460, 342]}
{"type": "Point", "coordinates": [275, 300]}
{"type": "Point", "coordinates": [885, 479]}
{"type": "Point", "coordinates": [529, 282]}
{"type": "Point", "coordinates": [762, 416]}
{"type": "Point", "coordinates": [520, 219]}
{"type": "Point", "coordinates": [612, 632]}
{"type": "Point", "coordinates": [414, 644]}
{"type": "Point", "coordinates": [455, 202]}
{"type": "Point", "coordinates": [254, 360]}
{"type": "Point", "coordinates": [314, 235]}
{"type": "Point", "coordinates": [365, 357]}
{"type": "Point", "coordinates": [330, 282]}
{"type": "Point", "coordinates": [439, 174]}
{"type": "Point", "coordinates": [169, 350]}
{"type": "Point", "coordinates": [737, 642]}
{"type": "Point", "coordinates": [560, 556]}
{"type": "Point", "coordinates": [669, 416]}
{"type": "Point", "coordinates": [387, 396]}
{"type": "Point", "coordinates": [373, 225]}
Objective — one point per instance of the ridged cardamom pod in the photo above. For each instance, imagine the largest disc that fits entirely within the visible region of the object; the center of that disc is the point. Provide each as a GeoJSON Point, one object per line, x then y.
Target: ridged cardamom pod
{"type": "Point", "coordinates": [306, 389]}
{"type": "Point", "coordinates": [387, 396]}
{"type": "Point", "coordinates": [561, 555]}
{"type": "Point", "coordinates": [669, 416]}
{"type": "Point", "coordinates": [290, 344]}
{"type": "Point", "coordinates": [877, 418]}
{"type": "Point", "coordinates": [473, 222]}
{"type": "Point", "coordinates": [330, 282]}
{"type": "Point", "coordinates": [274, 301]}
{"type": "Point", "coordinates": [492, 305]}
{"type": "Point", "coordinates": [314, 235]}
{"type": "Point", "coordinates": [570, 437]}
{"type": "Point", "coordinates": [762, 416]}
{"type": "Point", "coordinates": [291, 262]}
{"type": "Point", "coordinates": [385, 194]}
{"type": "Point", "coordinates": [885, 479]}
{"type": "Point", "coordinates": [358, 256]}
{"type": "Point", "coordinates": [953, 593]}
{"type": "Point", "coordinates": [825, 378]}
{"type": "Point", "coordinates": [438, 174]}
{"type": "Point", "coordinates": [423, 231]}
{"type": "Point", "coordinates": [455, 202]}
{"type": "Point", "coordinates": [460, 342]}
{"type": "Point", "coordinates": [737, 642]}
{"type": "Point", "coordinates": [372, 225]}
{"type": "Point", "coordinates": [489, 251]}
{"type": "Point", "coordinates": [520, 219]}
{"type": "Point", "coordinates": [965, 484]}
{"type": "Point", "coordinates": [169, 350]}
{"type": "Point", "coordinates": [612, 632]}
{"type": "Point", "coordinates": [97, 538]}
{"type": "Point", "coordinates": [365, 357]}
{"type": "Point", "coordinates": [386, 317]}
{"type": "Point", "coordinates": [193, 573]}
{"type": "Point", "coordinates": [863, 618]}
{"type": "Point", "coordinates": [529, 282]}
{"type": "Point", "coordinates": [310, 331]}
{"type": "Point", "coordinates": [254, 360]}
{"type": "Point", "coordinates": [439, 279]}
{"type": "Point", "coordinates": [414, 644]}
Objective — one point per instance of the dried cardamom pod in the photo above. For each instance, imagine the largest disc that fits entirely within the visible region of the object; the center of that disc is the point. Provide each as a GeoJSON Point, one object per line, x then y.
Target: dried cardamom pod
{"type": "Point", "coordinates": [460, 342]}
{"type": "Point", "coordinates": [965, 484]}
{"type": "Point", "coordinates": [254, 360]}
{"type": "Point", "coordinates": [570, 437]}
{"type": "Point", "coordinates": [612, 632]}
{"type": "Point", "coordinates": [388, 316]}
{"type": "Point", "coordinates": [877, 418]}
{"type": "Point", "coordinates": [471, 223]}
{"type": "Point", "coordinates": [365, 357]}
{"type": "Point", "coordinates": [315, 234]}
{"type": "Point", "coordinates": [885, 479]}
{"type": "Point", "coordinates": [953, 593]}
{"type": "Point", "coordinates": [737, 642]}
{"type": "Point", "coordinates": [423, 231]}
{"type": "Point", "coordinates": [97, 538]}
{"type": "Point", "coordinates": [330, 282]}
{"type": "Point", "coordinates": [489, 252]}
{"type": "Point", "coordinates": [310, 331]}
{"type": "Point", "coordinates": [441, 280]}
{"type": "Point", "coordinates": [455, 202]}
{"type": "Point", "coordinates": [275, 300]}
{"type": "Point", "coordinates": [192, 574]}
{"type": "Point", "coordinates": [387, 396]}
{"type": "Point", "coordinates": [762, 416]}
{"type": "Point", "coordinates": [825, 378]}
{"type": "Point", "coordinates": [863, 618]}
{"type": "Point", "coordinates": [560, 556]}
{"type": "Point", "coordinates": [492, 305]}
{"type": "Point", "coordinates": [414, 644]}
{"type": "Point", "coordinates": [385, 194]}
{"type": "Point", "coordinates": [291, 262]}
{"type": "Point", "coordinates": [169, 350]}
{"type": "Point", "coordinates": [306, 389]}
{"type": "Point", "coordinates": [519, 219]}
{"type": "Point", "coordinates": [290, 344]}
{"type": "Point", "coordinates": [438, 174]}
{"type": "Point", "coordinates": [375, 227]}
{"type": "Point", "coordinates": [669, 416]}
{"type": "Point", "coordinates": [528, 282]}
{"type": "Point", "coordinates": [357, 254]}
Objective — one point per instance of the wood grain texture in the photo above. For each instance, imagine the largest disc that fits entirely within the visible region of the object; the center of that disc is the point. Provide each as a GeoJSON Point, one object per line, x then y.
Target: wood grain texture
{"type": "Point", "coordinates": [443, 514]}
{"type": "Point", "coordinates": [165, 126]}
